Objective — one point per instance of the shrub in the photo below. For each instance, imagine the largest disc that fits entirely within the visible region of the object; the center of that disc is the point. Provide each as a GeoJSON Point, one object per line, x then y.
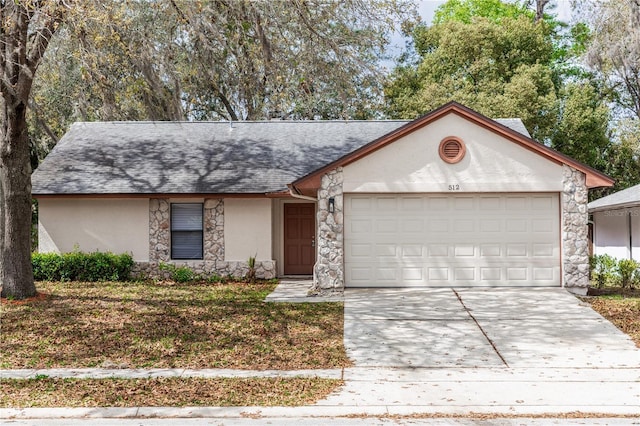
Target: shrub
{"type": "Point", "coordinates": [47, 266]}
{"type": "Point", "coordinates": [628, 270]}
{"type": "Point", "coordinates": [251, 273]}
{"type": "Point", "coordinates": [603, 268]}
{"type": "Point", "coordinates": [79, 266]}
{"type": "Point", "coordinates": [179, 274]}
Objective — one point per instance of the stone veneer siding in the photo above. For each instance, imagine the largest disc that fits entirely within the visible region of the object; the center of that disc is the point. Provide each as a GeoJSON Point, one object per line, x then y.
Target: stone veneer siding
{"type": "Point", "coordinates": [575, 217]}
{"type": "Point", "coordinates": [328, 273]}
{"type": "Point", "coordinates": [213, 244]}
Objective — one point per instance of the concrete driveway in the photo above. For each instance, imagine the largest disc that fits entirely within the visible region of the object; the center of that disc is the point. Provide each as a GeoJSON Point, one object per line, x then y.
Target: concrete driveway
{"type": "Point", "coordinates": [486, 327]}
{"type": "Point", "coordinates": [506, 350]}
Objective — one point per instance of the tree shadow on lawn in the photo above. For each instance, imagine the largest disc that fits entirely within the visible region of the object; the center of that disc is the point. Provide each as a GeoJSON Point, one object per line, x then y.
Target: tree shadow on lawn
{"type": "Point", "coordinates": [189, 330]}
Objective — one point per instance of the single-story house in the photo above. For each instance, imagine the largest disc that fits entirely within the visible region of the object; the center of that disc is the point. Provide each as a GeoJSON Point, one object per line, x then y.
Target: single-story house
{"type": "Point", "coordinates": [616, 224]}
{"type": "Point", "coordinates": [452, 198]}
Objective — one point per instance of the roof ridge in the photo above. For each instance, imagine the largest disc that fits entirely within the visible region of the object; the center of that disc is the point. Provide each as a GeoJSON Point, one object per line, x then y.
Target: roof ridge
{"type": "Point", "coordinates": [244, 121]}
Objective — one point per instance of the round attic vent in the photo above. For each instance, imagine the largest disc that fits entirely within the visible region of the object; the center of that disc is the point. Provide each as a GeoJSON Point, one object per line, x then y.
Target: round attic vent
{"type": "Point", "coordinates": [452, 149]}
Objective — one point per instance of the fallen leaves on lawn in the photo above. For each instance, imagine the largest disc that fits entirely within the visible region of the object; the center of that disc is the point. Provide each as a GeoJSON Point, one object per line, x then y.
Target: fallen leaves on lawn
{"type": "Point", "coordinates": [623, 313]}
{"type": "Point", "coordinates": [168, 325]}
{"type": "Point", "coordinates": [160, 392]}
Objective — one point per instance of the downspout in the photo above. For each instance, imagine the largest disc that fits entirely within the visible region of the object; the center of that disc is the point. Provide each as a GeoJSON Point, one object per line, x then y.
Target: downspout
{"type": "Point", "coordinates": [630, 229]}
{"type": "Point", "coordinates": [293, 191]}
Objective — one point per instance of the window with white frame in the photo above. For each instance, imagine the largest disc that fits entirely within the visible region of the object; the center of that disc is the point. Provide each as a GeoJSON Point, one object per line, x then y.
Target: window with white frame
{"type": "Point", "coordinates": [186, 231]}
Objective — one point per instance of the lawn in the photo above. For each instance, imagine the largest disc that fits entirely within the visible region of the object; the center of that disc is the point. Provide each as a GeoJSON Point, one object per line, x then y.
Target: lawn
{"type": "Point", "coordinates": [168, 325]}
{"type": "Point", "coordinates": [172, 392]}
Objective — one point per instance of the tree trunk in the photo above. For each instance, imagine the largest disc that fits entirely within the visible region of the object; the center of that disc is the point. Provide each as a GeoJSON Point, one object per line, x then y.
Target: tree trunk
{"type": "Point", "coordinates": [16, 273]}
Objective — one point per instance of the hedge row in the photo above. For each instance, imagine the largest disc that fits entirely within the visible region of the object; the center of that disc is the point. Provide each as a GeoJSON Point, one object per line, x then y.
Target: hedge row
{"type": "Point", "coordinates": [79, 266]}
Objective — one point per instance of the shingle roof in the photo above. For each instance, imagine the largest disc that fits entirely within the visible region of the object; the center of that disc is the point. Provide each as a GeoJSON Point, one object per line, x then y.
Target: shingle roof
{"type": "Point", "coordinates": [200, 157]}
{"type": "Point", "coordinates": [625, 198]}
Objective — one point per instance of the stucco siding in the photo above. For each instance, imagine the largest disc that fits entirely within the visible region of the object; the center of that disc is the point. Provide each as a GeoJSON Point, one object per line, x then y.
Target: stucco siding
{"type": "Point", "coordinates": [247, 229]}
{"type": "Point", "coordinates": [491, 164]}
{"type": "Point", "coordinates": [115, 225]}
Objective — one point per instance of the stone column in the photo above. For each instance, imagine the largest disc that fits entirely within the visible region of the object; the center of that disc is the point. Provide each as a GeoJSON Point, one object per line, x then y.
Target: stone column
{"type": "Point", "coordinates": [575, 248]}
{"type": "Point", "coordinates": [328, 274]}
{"type": "Point", "coordinates": [159, 230]}
{"type": "Point", "coordinates": [214, 230]}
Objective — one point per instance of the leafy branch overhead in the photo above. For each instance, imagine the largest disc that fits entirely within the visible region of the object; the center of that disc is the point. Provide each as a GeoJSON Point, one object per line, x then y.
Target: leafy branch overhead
{"type": "Point", "coordinates": [238, 60]}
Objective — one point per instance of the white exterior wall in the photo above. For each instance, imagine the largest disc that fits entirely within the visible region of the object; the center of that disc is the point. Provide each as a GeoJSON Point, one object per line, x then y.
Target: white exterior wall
{"type": "Point", "coordinates": [247, 229]}
{"type": "Point", "coordinates": [114, 225]}
{"type": "Point", "coordinates": [611, 233]}
{"type": "Point", "coordinates": [491, 164]}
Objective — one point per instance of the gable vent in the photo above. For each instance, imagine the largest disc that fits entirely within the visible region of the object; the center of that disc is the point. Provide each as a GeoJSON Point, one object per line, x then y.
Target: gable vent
{"type": "Point", "coordinates": [452, 149]}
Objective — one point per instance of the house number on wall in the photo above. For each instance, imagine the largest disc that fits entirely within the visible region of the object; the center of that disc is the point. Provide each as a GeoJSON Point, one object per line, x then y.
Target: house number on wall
{"type": "Point", "coordinates": [454, 187]}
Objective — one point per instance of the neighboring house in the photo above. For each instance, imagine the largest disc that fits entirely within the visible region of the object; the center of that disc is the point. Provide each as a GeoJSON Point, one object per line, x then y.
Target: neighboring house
{"type": "Point", "coordinates": [616, 224]}
{"type": "Point", "coordinates": [450, 199]}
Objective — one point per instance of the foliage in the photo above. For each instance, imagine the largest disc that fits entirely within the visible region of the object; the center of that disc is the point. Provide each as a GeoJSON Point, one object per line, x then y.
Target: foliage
{"type": "Point", "coordinates": [500, 70]}
{"type": "Point", "coordinates": [78, 266]}
{"type": "Point", "coordinates": [614, 50]}
{"type": "Point", "coordinates": [211, 60]}
{"type": "Point", "coordinates": [179, 274]}
{"type": "Point", "coordinates": [467, 10]}
{"type": "Point", "coordinates": [608, 271]}
{"type": "Point", "coordinates": [251, 273]}
{"type": "Point", "coordinates": [628, 271]}
{"type": "Point", "coordinates": [184, 274]}
{"type": "Point", "coordinates": [603, 268]}
{"type": "Point", "coordinates": [582, 126]}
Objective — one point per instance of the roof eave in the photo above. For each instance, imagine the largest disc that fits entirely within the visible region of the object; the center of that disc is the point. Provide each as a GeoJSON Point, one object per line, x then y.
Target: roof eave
{"type": "Point", "coordinates": [615, 206]}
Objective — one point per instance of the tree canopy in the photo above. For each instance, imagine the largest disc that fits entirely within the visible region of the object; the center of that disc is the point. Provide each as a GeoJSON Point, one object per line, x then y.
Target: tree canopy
{"type": "Point", "coordinates": [499, 69]}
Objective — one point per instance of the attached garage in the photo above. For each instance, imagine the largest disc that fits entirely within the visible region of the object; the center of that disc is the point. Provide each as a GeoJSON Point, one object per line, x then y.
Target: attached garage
{"type": "Point", "coordinates": [452, 199]}
{"type": "Point", "coordinates": [411, 240]}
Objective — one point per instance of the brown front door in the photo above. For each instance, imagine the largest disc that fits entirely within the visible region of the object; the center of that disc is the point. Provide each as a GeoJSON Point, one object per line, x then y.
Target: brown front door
{"type": "Point", "coordinates": [299, 238]}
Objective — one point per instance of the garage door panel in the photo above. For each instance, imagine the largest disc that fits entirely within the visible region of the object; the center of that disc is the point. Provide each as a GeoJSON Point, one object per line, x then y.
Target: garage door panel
{"type": "Point", "coordinates": [434, 240]}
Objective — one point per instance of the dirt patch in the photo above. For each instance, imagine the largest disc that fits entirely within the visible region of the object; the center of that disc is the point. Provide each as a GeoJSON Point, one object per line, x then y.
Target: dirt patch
{"type": "Point", "coordinates": [37, 298]}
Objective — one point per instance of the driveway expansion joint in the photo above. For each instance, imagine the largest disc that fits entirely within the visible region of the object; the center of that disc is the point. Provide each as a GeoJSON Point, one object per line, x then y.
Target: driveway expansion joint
{"type": "Point", "coordinates": [484, 333]}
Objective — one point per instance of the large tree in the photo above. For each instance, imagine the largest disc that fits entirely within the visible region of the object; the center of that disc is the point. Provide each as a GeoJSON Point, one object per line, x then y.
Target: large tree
{"type": "Point", "coordinates": [611, 33]}
{"type": "Point", "coordinates": [614, 51]}
{"type": "Point", "coordinates": [26, 29]}
{"type": "Point", "coordinates": [499, 69]}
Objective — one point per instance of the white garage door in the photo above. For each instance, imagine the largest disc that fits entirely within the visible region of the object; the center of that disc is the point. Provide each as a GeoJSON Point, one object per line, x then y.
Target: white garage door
{"type": "Point", "coordinates": [401, 240]}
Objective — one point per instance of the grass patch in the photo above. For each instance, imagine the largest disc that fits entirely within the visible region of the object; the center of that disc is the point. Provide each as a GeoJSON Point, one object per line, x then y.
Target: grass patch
{"type": "Point", "coordinates": [174, 392]}
{"type": "Point", "coordinates": [622, 308]}
{"type": "Point", "coordinates": [168, 325]}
